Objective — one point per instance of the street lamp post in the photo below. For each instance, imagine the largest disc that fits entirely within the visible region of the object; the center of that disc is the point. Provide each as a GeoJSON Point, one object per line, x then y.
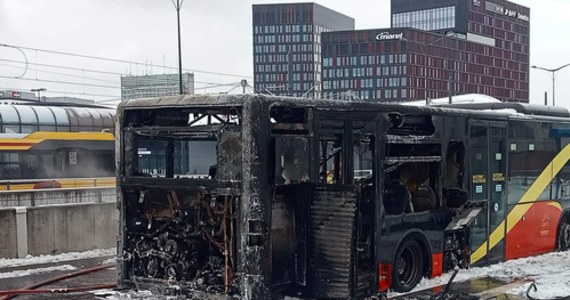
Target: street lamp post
{"type": "Point", "coordinates": [553, 73]}
{"type": "Point", "coordinates": [178, 5]}
{"type": "Point", "coordinates": [39, 91]}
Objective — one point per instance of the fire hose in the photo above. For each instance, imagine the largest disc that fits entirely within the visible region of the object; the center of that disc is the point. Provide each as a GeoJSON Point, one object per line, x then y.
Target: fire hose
{"type": "Point", "coordinates": [32, 289]}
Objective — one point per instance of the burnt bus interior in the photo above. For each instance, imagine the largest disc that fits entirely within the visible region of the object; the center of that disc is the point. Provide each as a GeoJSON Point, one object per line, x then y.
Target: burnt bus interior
{"type": "Point", "coordinates": [178, 229]}
{"type": "Point", "coordinates": [319, 202]}
{"type": "Point", "coordinates": [324, 179]}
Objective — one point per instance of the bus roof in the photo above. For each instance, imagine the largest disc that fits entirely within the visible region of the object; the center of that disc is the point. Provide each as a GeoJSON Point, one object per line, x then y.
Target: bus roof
{"type": "Point", "coordinates": [488, 108]}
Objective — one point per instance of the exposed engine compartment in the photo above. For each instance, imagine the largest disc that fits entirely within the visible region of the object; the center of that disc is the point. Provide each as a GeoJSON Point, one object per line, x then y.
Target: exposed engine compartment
{"type": "Point", "coordinates": [181, 236]}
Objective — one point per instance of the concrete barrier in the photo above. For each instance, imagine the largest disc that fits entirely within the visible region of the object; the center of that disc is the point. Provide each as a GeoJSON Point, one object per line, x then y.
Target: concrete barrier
{"type": "Point", "coordinates": [8, 234]}
{"type": "Point", "coordinates": [57, 229]}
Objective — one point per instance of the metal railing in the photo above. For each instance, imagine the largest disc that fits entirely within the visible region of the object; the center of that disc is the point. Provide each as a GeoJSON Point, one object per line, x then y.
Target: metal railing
{"type": "Point", "coordinates": [40, 197]}
{"type": "Point", "coordinates": [29, 184]}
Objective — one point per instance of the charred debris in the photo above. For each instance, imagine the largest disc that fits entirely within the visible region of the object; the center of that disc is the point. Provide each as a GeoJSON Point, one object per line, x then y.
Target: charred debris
{"type": "Point", "coordinates": [277, 208]}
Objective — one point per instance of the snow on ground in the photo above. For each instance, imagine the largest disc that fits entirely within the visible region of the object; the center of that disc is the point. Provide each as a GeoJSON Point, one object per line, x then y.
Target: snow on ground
{"type": "Point", "coordinates": [550, 272]}
{"type": "Point", "coordinates": [42, 259]}
{"type": "Point", "coordinates": [139, 295]}
{"type": "Point", "coordinates": [27, 272]}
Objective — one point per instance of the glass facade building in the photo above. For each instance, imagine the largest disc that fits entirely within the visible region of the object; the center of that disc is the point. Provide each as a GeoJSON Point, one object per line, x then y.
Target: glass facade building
{"type": "Point", "coordinates": [446, 47]}
{"type": "Point", "coordinates": [440, 18]}
{"type": "Point", "coordinates": [287, 46]}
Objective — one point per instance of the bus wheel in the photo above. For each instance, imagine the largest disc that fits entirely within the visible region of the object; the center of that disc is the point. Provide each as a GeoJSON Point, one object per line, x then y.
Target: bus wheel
{"type": "Point", "coordinates": [408, 266]}
{"type": "Point", "coordinates": [564, 234]}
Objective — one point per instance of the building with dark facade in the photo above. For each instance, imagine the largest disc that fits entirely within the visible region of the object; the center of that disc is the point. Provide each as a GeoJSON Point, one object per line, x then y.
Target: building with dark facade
{"type": "Point", "coordinates": [287, 46]}
{"type": "Point", "coordinates": [435, 48]}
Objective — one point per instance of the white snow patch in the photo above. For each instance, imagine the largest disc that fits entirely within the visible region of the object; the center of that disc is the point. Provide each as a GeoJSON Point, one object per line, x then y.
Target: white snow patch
{"type": "Point", "coordinates": [115, 295]}
{"type": "Point", "coordinates": [28, 272]}
{"type": "Point", "coordinates": [551, 272]}
{"type": "Point", "coordinates": [111, 260]}
{"type": "Point", "coordinates": [42, 259]}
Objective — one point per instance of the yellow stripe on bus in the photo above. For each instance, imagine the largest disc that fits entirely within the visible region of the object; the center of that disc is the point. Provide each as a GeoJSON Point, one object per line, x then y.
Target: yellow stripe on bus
{"type": "Point", "coordinates": [525, 203]}
{"type": "Point", "coordinates": [91, 136]}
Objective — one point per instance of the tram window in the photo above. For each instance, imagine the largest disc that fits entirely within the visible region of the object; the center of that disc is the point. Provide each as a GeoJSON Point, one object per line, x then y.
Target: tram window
{"type": "Point", "coordinates": [10, 165]}
{"type": "Point", "coordinates": [29, 128]}
{"type": "Point", "coordinates": [47, 128]}
{"type": "Point", "coordinates": [11, 128]}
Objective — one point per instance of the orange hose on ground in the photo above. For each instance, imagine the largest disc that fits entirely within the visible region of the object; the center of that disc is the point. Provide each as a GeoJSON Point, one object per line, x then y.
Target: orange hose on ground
{"type": "Point", "coordinates": [60, 278]}
{"type": "Point", "coordinates": [60, 290]}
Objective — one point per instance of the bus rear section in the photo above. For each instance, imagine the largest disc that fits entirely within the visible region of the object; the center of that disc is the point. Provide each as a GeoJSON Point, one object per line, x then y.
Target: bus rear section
{"type": "Point", "coordinates": [272, 211]}
{"type": "Point", "coordinates": [180, 182]}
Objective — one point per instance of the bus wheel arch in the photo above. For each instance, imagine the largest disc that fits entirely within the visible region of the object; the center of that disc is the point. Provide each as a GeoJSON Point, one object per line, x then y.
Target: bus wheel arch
{"type": "Point", "coordinates": [563, 236]}
{"type": "Point", "coordinates": [412, 261]}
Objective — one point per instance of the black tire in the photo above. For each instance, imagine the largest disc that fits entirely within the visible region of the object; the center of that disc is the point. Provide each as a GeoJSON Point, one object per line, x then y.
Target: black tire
{"type": "Point", "coordinates": [564, 234]}
{"type": "Point", "coordinates": [408, 267]}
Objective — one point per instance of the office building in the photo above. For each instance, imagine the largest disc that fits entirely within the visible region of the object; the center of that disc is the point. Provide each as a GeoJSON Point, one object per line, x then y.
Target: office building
{"type": "Point", "coordinates": [287, 46]}
{"type": "Point", "coordinates": [435, 48]}
{"type": "Point", "coordinates": [145, 86]}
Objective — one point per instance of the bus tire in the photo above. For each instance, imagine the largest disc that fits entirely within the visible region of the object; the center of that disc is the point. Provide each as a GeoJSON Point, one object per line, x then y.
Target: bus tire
{"type": "Point", "coordinates": [564, 233]}
{"type": "Point", "coordinates": [408, 267]}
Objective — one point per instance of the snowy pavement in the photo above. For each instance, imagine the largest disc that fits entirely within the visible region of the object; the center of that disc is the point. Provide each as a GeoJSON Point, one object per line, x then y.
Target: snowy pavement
{"type": "Point", "coordinates": [550, 273]}
{"type": "Point", "coordinates": [44, 259]}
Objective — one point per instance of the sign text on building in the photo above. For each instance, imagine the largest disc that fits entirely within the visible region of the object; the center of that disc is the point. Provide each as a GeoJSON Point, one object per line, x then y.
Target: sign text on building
{"type": "Point", "coordinates": [493, 7]}
{"type": "Point", "coordinates": [386, 36]}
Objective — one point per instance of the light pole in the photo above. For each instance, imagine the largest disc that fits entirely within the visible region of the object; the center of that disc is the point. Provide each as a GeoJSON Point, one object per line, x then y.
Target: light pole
{"type": "Point", "coordinates": [39, 93]}
{"type": "Point", "coordinates": [553, 71]}
{"type": "Point", "coordinates": [178, 5]}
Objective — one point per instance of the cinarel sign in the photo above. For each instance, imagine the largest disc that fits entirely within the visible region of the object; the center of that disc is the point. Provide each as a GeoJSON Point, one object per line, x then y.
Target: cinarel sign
{"type": "Point", "coordinates": [386, 36]}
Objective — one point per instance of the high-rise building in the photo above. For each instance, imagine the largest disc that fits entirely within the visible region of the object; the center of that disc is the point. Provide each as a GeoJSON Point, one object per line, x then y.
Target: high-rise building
{"type": "Point", "coordinates": [435, 49]}
{"type": "Point", "coordinates": [287, 46]}
{"type": "Point", "coordinates": [144, 86]}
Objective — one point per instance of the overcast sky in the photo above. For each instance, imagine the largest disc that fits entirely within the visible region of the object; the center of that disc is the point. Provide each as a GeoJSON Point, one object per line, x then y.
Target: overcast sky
{"type": "Point", "coordinates": [216, 37]}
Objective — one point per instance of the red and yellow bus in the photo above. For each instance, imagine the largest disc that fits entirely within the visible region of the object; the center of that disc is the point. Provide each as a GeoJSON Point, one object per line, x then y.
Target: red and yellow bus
{"type": "Point", "coordinates": [286, 209]}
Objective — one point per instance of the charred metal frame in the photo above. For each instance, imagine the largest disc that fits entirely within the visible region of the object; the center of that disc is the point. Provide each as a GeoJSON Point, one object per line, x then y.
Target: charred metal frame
{"type": "Point", "coordinates": [283, 227]}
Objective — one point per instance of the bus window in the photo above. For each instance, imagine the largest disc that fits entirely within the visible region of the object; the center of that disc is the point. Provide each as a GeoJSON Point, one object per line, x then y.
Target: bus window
{"type": "Point", "coordinates": [292, 165]}
{"type": "Point", "coordinates": [454, 192]}
{"type": "Point", "coordinates": [363, 152]}
{"type": "Point", "coordinates": [479, 163]}
{"type": "Point", "coordinates": [331, 161]}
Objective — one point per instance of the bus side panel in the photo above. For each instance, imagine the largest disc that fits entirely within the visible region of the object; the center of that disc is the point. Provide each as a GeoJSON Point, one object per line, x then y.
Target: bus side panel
{"type": "Point", "coordinates": [533, 232]}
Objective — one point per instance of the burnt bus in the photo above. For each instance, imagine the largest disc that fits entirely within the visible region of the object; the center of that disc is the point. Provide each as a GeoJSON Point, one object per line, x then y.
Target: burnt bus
{"type": "Point", "coordinates": [322, 199]}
